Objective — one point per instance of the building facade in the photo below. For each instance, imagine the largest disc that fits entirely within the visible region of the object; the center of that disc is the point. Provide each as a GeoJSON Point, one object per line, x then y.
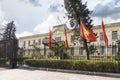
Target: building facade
{"type": "Point", "coordinates": [76, 47]}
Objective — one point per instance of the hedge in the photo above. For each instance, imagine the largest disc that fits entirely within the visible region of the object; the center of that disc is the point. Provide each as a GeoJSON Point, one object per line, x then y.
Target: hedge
{"type": "Point", "coordinates": [84, 65]}
{"type": "Point", "coordinates": [2, 61]}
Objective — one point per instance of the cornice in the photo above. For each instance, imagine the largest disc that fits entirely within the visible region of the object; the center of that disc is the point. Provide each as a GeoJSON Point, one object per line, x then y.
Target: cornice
{"type": "Point", "coordinates": [61, 28]}
{"type": "Point", "coordinates": [111, 25]}
{"type": "Point", "coordinates": [33, 36]}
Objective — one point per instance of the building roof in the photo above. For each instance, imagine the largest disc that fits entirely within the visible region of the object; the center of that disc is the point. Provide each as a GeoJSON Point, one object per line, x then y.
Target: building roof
{"type": "Point", "coordinates": [61, 27]}
{"type": "Point", "coordinates": [55, 28]}
{"type": "Point", "coordinates": [107, 25]}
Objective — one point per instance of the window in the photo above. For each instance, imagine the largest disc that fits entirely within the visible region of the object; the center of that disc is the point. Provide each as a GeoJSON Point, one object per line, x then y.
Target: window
{"type": "Point", "coordinates": [33, 41]}
{"type": "Point", "coordinates": [28, 43]}
{"type": "Point", "coordinates": [39, 41]}
{"type": "Point", "coordinates": [114, 49]}
{"type": "Point", "coordinates": [102, 50]}
{"type": "Point", "coordinates": [114, 35]}
{"type": "Point", "coordinates": [72, 51]}
{"type": "Point", "coordinates": [24, 44]}
{"type": "Point", "coordinates": [72, 38]}
{"type": "Point", "coordinates": [101, 36]}
{"type": "Point", "coordinates": [81, 50]}
{"type": "Point", "coordinates": [57, 39]}
{"type": "Point", "coordinates": [28, 52]}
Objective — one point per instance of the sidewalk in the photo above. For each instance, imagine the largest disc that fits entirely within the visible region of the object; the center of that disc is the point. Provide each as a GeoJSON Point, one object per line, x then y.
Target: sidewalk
{"type": "Point", "coordinates": [31, 74]}
{"type": "Point", "coordinates": [116, 75]}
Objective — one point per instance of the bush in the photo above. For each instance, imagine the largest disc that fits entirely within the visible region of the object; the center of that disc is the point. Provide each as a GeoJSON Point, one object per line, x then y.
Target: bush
{"type": "Point", "coordinates": [105, 67]}
{"type": "Point", "coordinates": [117, 57]}
{"type": "Point", "coordinates": [3, 61]}
{"type": "Point", "coordinates": [83, 65]}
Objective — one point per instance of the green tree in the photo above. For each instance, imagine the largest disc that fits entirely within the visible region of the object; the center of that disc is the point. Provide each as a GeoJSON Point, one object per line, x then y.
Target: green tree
{"type": "Point", "coordinates": [92, 49]}
{"type": "Point", "coordinates": [36, 51]}
{"type": "Point", "coordinates": [76, 12]}
{"type": "Point", "coordinates": [60, 50]}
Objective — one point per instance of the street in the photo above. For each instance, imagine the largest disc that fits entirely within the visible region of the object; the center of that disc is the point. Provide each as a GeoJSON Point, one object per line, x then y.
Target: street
{"type": "Point", "coordinates": [22, 74]}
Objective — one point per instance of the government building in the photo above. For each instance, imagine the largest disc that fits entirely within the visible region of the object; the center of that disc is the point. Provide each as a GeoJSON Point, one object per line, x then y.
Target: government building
{"type": "Point", "coordinates": [76, 48]}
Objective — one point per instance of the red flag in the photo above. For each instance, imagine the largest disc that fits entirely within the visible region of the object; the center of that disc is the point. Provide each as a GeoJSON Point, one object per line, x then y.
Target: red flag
{"type": "Point", "coordinates": [66, 41]}
{"type": "Point", "coordinates": [104, 34]}
{"type": "Point", "coordinates": [50, 39]}
{"type": "Point", "coordinates": [86, 33]}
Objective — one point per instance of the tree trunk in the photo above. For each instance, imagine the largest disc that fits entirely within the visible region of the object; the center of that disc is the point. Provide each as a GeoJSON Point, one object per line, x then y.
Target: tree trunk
{"type": "Point", "coordinates": [86, 48]}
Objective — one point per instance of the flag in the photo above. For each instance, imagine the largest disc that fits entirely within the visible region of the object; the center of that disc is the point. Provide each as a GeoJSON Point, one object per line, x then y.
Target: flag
{"type": "Point", "coordinates": [85, 33]}
{"type": "Point", "coordinates": [66, 41]}
{"type": "Point", "coordinates": [50, 39]}
{"type": "Point", "coordinates": [104, 34]}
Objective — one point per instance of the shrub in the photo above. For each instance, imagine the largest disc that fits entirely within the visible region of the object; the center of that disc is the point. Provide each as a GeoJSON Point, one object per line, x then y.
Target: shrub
{"type": "Point", "coordinates": [84, 65]}
{"type": "Point", "coordinates": [3, 61]}
{"type": "Point", "coordinates": [117, 57]}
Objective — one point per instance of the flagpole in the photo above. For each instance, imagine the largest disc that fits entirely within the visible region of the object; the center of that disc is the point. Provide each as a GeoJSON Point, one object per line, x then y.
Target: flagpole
{"type": "Point", "coordinates": [105, 37]}
{"type": "Point", "coordinates": [106, 46]}
{"type": "Point", "coordinates": [65, 33]}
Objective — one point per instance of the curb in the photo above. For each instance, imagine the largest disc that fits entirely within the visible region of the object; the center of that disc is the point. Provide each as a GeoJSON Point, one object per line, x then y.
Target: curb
{"type": "Point", "coordinates": [116, 75]}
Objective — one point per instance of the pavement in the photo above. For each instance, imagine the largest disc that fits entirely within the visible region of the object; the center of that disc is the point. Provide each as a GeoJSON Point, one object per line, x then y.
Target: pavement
{"type": "Point", "coordinates": [3, 68]}
{"type": "Point", "coordinates": [29, 74]}
{"type": "Point", "coordinates": [116, 75]}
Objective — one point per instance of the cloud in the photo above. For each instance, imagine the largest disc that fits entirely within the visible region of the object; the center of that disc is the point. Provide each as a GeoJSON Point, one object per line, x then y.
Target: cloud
{"type": "Point", "coordinates": [44, 26]}
{"type": "Point", "coordinates": [33, 2]}
{"type": "Point", "coordinates": [25, 33]}
{"type": "Point", "coordinates": [51, 21]}
{"type": "Point", "coordinates": [108, 10]}
{"type": "Point", "coordinates": [54, 7]}
{"type": "Point", "coordinates": [35, 16]}
{"type": "Point", "coordinates": [2, 15]}
{"type": "Point", "coordinates": [117, 2]}
{"type": "Point", "coordinates": [25, 15]}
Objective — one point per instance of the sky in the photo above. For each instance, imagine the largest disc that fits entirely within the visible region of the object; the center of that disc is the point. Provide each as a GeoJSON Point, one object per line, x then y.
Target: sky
{"type": "Point", "coordinates": [36, 16]}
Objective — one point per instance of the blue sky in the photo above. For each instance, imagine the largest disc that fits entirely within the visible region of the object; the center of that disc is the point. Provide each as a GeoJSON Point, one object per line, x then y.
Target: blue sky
{"type": "Point", "coordinates": [35, 16]}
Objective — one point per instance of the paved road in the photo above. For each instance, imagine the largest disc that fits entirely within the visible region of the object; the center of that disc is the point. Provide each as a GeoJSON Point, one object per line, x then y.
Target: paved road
{"type": "Point", "coordinates": [20, 74]}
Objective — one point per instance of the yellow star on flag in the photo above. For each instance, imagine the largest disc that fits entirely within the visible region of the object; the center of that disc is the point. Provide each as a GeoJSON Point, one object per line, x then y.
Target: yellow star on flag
{"type": "Point", "coordinates": [87, 32]}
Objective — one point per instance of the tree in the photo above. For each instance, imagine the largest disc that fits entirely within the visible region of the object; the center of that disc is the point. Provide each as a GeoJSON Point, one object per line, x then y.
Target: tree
{"type": "Point", "coordinates": [36, 51]}
{"type": "Point", "coordinates": [9, 32]}
{"type": "Point", "coordinates": [60, 50]}
{"type": "Point", "coordinates": [92, 49]}
{"type": "Point", "coordinates": [76, 12]}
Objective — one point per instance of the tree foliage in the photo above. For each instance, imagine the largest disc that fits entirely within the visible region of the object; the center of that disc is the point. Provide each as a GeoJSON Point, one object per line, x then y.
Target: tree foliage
{"type": "Point", "coordinates": [9, 32]}
{"type": "Point", "coordinates": [36, 51]}
{"type": "Point", "coordinates": [76, 12]}
{"type": "Point", "coordinates": [60, 50]}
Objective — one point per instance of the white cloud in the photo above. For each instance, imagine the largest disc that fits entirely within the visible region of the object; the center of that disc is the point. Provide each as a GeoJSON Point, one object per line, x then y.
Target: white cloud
{"type": "Point", "coordinates": [49, 22]}
{"type": "Point", "coordinates": [108, 10]}
{"type": "Point", "coordinates": [90, 3]}
{"type": "Point", "coordinates": [25, 33]}
{"type": "Point", "coordinates": [2, 14]}
{"type": "Point", "coordinates": [37, 18]}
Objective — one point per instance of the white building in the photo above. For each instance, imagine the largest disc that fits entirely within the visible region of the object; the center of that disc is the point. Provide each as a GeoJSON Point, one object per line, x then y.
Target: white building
{"type": "Point", "coordinates": [112, 30]}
